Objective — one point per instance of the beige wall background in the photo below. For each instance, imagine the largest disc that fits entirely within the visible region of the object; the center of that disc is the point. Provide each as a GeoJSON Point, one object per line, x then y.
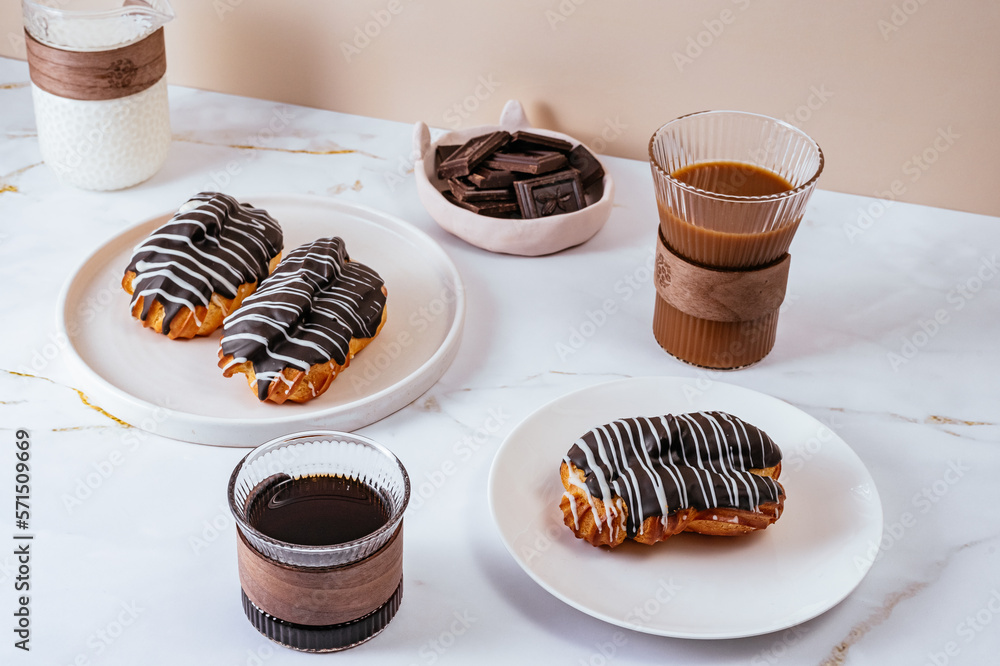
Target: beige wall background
{"type": "Point", "coordinates": [903, 95]}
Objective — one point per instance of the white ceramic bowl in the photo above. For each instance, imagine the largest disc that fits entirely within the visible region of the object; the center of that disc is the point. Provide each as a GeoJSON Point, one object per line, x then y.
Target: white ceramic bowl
{"type": "Point", "coordinates": [532, 237]}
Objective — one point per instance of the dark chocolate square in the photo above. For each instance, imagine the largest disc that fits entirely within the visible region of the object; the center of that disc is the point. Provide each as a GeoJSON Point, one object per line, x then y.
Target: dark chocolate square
{"type": "Point", "coordinates": [486, 178]}
{"type": "Point", "coordinates": [488, 208]}
{"type": "Point", "coordinates": [466, 191]}
{"type": "Point", "coordinates": [472, 152]}
{"type": "Point", "coordinates": [441, 153]}
{"type": "Point", "coordinates": [540, 141]}
{"type": "Point", "coordinates": [529, 161]}
{"type": "Point", "coordinates": [551, 194]}
{"type": "Point", "coordinates": [589, 166]}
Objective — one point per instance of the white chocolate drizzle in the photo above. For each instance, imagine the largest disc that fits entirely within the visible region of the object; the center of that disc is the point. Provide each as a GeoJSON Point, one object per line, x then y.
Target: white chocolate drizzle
{"type": "Point", "coordinates": [659, 465]}
{"type": "Point", "coordinates": [305, 313]}
{"type": "Point", "coordinates": [211, 246]}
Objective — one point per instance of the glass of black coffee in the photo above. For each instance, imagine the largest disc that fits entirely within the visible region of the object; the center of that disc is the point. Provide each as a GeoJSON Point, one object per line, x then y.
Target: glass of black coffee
{"type": "Point", "coordinates": [320, 538]}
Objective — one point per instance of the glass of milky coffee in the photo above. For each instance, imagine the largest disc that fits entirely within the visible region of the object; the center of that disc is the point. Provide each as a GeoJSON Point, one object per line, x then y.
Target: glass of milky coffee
{"type": "Point", "coordinates": [319, 520]}
{"type": "Point", "coordinates": [731, 189]}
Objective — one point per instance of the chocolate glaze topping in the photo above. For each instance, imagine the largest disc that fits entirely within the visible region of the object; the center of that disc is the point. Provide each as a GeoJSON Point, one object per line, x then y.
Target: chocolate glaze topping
{"type": "Point", "coordinates": [662, 464]}
{"type": "Point", "coordinates": [305, 313]}
{"type": "Point", "coordinates": [213, 244]}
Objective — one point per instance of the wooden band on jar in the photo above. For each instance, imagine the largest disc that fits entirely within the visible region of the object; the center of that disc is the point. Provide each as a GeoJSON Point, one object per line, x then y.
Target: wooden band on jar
{"type": "Point", "coordinates": [97, 75]}
{"type": "Point", "coordinates": [716, 294]}
{"type": "Point", "coordinates": [321, 596]}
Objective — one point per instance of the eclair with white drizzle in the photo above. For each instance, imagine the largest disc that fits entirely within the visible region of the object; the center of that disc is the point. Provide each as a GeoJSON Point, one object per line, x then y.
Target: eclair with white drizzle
{"type": "Point", "coordinates": [648, 478]}
{"type": "Point", "coordinates": [305, 323]}
{"type": "Point", "coordinates": [197, 268]}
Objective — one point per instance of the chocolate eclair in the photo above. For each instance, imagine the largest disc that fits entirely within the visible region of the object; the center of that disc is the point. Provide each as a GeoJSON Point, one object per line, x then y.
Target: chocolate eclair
{"type": "Point", "coordinates": [648, 478]}
{"type": "Point", "coordinates": [197, 268]}
{"type": "Point", "coordinates": [305, 323]}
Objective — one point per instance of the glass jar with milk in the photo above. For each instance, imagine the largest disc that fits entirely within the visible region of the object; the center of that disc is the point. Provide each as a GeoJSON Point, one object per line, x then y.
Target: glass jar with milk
{"type": "Point", "coordinates": [99, 90]}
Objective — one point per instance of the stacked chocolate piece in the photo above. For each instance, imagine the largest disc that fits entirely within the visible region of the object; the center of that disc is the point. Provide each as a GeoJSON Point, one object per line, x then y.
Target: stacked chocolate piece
{"type": "Point", "coordinates": [521, 175]}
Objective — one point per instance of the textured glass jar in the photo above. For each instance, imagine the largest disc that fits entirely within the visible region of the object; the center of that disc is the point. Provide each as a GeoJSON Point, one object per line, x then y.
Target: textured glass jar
{"type": "Point", "coordinates": [119, 136]}
{"type": "Point", "coordinates": [288, 589]}
{"type": "Point", "coordinates": [722, 257]}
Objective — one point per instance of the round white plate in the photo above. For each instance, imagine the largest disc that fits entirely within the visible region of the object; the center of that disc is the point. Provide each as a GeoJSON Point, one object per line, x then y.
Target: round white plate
{"type": "Point", "coordinates": [175, 388]}
{"type": "Point", "coordinates": [692, 586]}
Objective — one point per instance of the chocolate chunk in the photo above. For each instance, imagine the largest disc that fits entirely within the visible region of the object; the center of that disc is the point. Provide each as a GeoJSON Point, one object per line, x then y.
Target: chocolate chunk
{"type": "Point", "coordinates": [592, 193]}
{"type": "Point", "coordinates": [466, 191]}
{"type": "Point", "coordinates": [472, 152]}
{"type": "Point", "coordinates": [552, 194]}
{"type": "Point", "coordinates": [442, 153]}
{"type": "Point", "coordinates": [537, 141]}
{"type": "Point", "coordinates": [589, 167]}
{"type": "Point", "coordinates": [489, 208]}
{"type": "Point", "coordinates": [531, 161]}
{"type": "Point", "coordinates": [523, 174]}
{"type": "Point", "coordinates": [484, 177]}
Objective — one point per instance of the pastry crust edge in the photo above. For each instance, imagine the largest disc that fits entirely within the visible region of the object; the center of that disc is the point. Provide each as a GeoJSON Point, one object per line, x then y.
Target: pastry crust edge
{"type": "Point", "coordinates": [297, 385]}
{"type": "Point", "coordinates": [593, 522]}
{"type": "Point", "coordinates": [185, 324]}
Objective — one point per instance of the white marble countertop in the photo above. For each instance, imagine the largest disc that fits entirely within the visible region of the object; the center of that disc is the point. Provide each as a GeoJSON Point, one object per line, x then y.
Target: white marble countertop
{"type": "Point", "coordinates": [132, 566]}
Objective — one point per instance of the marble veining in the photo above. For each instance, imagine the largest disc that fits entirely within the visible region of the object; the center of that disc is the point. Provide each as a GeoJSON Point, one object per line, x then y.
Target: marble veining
{"type": "Point", "coordinates": [932, 420]}
{"type": "Point", "coordinates": [838, 655]}
{"type": "Point", "coordinates": [80, 394]}
{"type": "Point", "coordinates": [17, 172]}
{"type": "Point", "coordinates": [293, 151]}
